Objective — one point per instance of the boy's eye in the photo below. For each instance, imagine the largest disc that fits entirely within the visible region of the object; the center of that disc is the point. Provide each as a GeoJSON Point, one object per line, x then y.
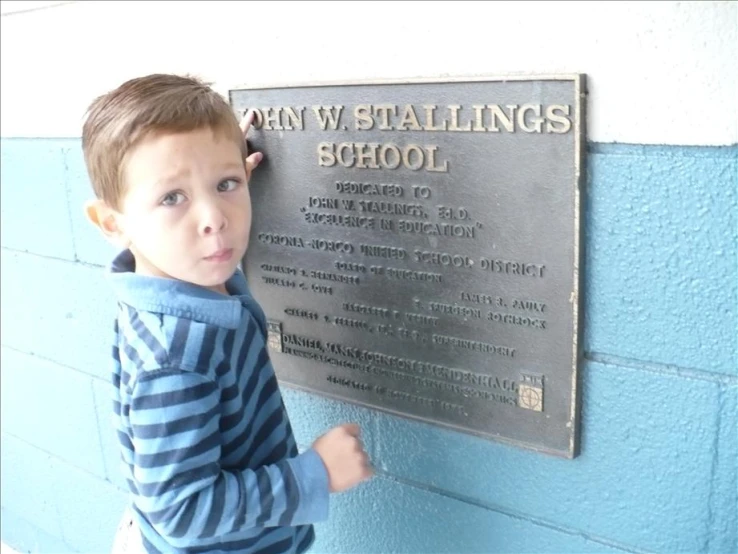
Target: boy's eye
{"type": "Point", "coordinates": [227, 185]}
{"type": "Point", "coordinates": [172, 199]}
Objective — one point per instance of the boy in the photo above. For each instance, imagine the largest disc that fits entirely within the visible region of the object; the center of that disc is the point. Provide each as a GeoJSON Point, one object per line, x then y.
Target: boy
{"type": "Point", "coordinates": [207, 447]}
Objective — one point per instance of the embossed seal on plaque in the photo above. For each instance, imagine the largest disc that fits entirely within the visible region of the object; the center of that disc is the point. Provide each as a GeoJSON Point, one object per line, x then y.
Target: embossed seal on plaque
{"type": "Point", "coordinates": [274, 338]}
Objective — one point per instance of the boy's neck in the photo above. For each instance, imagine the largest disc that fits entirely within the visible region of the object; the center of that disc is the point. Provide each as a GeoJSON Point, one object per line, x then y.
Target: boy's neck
{"type": "Point", "coordinates": [221, 289]}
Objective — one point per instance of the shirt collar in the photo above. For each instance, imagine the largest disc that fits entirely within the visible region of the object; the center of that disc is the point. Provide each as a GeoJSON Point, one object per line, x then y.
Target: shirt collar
{"type": "Point", "coordinates": [178, 298]}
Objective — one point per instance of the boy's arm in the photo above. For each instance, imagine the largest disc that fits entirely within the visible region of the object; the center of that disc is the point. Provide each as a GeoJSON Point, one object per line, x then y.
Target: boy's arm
{"type": "Point", "coordinates": [182, 489]}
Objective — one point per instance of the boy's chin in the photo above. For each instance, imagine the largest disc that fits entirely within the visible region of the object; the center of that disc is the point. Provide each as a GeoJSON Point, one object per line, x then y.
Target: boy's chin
{"type": "Point", "coordinates": [215, 279]}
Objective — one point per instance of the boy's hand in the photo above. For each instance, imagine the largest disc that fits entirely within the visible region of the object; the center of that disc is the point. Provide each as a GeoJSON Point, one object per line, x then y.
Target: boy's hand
{"type": "Point", "coordinates": [251, 160]}
{"type": "Point", "coordinates": [344, 457]}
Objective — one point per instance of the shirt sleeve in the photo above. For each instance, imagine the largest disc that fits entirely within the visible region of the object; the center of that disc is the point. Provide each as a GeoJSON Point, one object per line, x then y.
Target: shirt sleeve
{"type": "Point", "coordinates": [179, 483]}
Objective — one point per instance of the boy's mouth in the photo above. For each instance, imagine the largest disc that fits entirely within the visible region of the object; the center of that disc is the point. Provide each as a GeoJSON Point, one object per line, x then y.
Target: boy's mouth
{"type": "Point", "coordinates": [222, 255]}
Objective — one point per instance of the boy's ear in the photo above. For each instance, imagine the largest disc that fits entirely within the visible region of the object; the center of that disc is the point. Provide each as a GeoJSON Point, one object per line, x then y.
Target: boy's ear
{"type": "Point", "coordinates": [106, 219]}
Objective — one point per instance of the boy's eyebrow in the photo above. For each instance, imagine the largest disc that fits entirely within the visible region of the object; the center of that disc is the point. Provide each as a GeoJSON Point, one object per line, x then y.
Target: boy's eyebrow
{"type": "Point", "coordinates": [174, 177]}
{"type": "Point", "coordinates": [169, 179]}
{"type": "Point", "coordinates": [232, 166]}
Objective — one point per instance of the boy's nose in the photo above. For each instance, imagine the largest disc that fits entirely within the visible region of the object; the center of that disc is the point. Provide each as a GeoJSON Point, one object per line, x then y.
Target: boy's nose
{"type": "Point", "coordinates": [213, 221]}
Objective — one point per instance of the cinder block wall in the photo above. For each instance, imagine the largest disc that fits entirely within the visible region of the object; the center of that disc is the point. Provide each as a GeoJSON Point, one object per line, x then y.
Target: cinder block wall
{"type": "Point", "coordinates": [657, 472]}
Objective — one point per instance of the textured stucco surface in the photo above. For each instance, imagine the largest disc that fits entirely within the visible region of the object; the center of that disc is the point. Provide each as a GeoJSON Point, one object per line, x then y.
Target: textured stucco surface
{"type": "Point", "coordinates": [659, 72]}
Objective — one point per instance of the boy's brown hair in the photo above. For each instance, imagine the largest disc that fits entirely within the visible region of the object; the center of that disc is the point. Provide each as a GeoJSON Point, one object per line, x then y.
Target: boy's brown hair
{"type": "Point", "coordinates": [117, 121]}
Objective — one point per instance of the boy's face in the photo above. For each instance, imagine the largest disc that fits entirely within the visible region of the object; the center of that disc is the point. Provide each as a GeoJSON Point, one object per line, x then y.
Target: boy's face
{"type": "Point", "coordinates": [186, 212]}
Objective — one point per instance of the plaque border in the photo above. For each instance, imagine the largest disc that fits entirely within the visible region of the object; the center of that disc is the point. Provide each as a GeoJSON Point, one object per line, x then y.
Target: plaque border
{"type": "Point", "coordinates": [580, 177]}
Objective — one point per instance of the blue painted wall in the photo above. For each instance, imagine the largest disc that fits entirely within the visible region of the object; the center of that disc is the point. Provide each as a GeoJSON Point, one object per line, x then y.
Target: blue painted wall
{"type": "Point", "coordinates": [657, 472]}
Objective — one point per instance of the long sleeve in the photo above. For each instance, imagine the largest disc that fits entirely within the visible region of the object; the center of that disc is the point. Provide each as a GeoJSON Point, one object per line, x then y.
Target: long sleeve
{"type": "Point", "coordinates": [179, 484]}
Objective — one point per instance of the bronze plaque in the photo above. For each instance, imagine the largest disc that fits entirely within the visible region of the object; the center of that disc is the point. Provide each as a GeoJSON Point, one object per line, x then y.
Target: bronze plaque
{"type": "Point", "coordinates": [416, 248]}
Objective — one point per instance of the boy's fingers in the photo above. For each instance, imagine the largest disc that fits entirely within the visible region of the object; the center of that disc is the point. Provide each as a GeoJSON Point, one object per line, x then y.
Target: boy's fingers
{"type": "Point", "coordinates": [252, 161]}
{"type": "Point", "coordinates": [246, 121]}
{"type": "Point", "coordinates": [352, 429]}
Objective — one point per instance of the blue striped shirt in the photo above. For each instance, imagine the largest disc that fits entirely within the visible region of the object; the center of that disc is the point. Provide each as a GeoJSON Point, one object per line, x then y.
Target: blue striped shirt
{"type": "Point", "coordinates": [207, 447]}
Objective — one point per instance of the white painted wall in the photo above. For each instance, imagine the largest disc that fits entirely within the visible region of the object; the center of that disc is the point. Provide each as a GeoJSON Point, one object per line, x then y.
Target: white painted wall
{"type": "Point", "coordinates": [659, 72]}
